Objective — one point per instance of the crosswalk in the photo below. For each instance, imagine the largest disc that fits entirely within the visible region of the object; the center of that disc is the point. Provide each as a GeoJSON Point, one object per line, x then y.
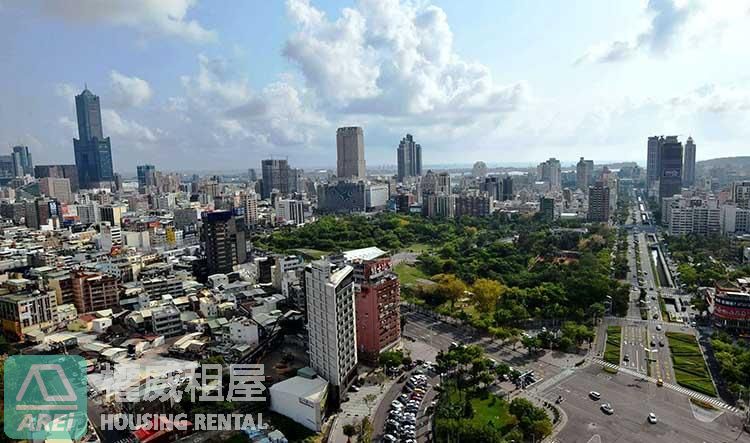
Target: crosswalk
{"type": "Point", "coordinates": [682, 390]}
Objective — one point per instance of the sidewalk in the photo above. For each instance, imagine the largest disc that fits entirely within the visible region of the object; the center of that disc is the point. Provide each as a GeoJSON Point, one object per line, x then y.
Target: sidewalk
{"type": "Point", "coordinates": [354, 410]}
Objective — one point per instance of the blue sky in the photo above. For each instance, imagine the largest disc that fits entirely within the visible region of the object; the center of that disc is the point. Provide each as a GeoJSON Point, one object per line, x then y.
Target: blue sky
{"type": "Point", "coordinates": [189, 84]}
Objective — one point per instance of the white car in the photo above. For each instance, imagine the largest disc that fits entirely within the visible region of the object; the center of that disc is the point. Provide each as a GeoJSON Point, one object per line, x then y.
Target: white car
{"type": "Point", "coordinates": [652, 418]}
{"type": "Point", "coordinates": [658, 327]}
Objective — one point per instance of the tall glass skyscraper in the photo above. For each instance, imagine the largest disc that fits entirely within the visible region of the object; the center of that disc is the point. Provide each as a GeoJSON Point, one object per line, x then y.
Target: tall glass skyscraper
{"type": "Point", "coordinates": [93, 151]}
{"type": "Point", "coordinates": [409, 156]}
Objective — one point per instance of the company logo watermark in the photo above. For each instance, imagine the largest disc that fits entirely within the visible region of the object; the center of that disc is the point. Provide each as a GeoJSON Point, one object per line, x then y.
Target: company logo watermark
{"type": "Point", "coordinates": [45, 397]}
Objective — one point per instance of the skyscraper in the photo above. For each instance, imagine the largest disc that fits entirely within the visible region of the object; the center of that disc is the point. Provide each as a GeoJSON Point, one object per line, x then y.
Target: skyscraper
{"type": "Point", "coordinates": [225, 241]}
{"type": "Point", "coordinates": [331, 326]}
{"type": "Point", "coordinates": [652, 161]}
{"type": "Point", "coordinates": [688, 169]}
{"type": "Point", "coordinates": [146, 177]}
{"type": "Point", "coordinates": [350, 153]}
{"type": "Point", "coordinates": [670, 165]}
{"type": "Point", "coordinates": [584, 174]}
{"type": "Point", "coordinates": [275, 176]}
{"type": "Point", "coordinates": [508, 188]}
{"type": "Point", "coordinates": [22, 161]}
{"type": "Point", "coordinates": [93, 151]}
{"type": "Point", "coordinates": [409, 158]}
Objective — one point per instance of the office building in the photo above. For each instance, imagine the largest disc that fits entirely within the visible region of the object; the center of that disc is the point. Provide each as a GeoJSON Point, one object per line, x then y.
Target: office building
{"type": "Point", "coordinates": [342, 197]}
{"type": "Point", "coordinates": [42, 212]}
{"type": "Point", "coordinates": [57, 188]}
{"type": "Point", "coordinates": [224, 241]}
{"type": "Point", "coordinates": [112, 214]}
{"type": "Point", "coordinates": [378, 300]}
{"type": "Point", "coordinates": [653, 168]}
{"type": "Point", "coordinates": [376, 197]}
{"type": "Point", "coordinates": [547, 208]}
{"type": "Point", "coordinates": [22, 162]}
{"type": "Point", "coordinates": [275, 177]}
{"type": "Point", "coordinates": [146, 178]}
{"type": "Point", "coordinates": [409, 157]}
{"type": "Point", "coordinates": [584, 174]}
{"type": "Point", "coordinates": [599, 207]}
{"type": "Point", "coordinates": [59, 171]}
{"type": "Point", "coordinates": [734, 220]}
{"type": "Point", "coordinates": [729, 305]}
{"type": "Point", "coordinates": [670, 165]}
{"type": "Point", "coordinates": [684, 216]}
{"type": "Point", "coordinates": [251, 175]}
{"type": "Point", "coordinates": [7, 167]}
{"type": "Point", "coordinates": [688, 168]}
{"type": "Point", "coordinates": [508, 188]}
{"type": "Point", "coordinates": [290, 211]}
{"type": "Point", "coordinates": [493, 186]}
{"type": "Point", "coordinates": [93, 152]}
{"type": "Point", "coordinates": [329, 291]}
{"type": "Point", "coordinates": [350, 153]}
{"type": "Point", "coordinates": [94, 291]}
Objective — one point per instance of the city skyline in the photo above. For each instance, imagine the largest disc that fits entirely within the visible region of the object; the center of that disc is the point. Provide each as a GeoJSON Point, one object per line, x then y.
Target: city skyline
{"type": "Point", "coordinates": [229, 95]}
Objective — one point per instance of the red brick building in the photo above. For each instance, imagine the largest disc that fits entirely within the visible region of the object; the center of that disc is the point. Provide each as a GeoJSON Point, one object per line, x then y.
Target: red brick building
{"type": "Point", "coordinates": [378, 315]}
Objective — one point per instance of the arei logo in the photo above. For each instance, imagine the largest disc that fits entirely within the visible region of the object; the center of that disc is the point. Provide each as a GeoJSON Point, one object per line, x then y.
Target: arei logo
{"type": "Point", "coordinates": [45, 397]}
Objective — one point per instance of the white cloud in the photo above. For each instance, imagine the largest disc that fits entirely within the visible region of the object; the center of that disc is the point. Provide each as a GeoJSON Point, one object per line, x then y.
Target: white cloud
{"type": "Point", "coordinates": [66, 90]}
{"type": "Point", "coordinates": [129, 91]}
{"type": "Point", "coordinates": [127, 129]}
{"type": "Point", "coordinates": [277, 115]}
{"type": "Point", "coordinates": [163, 17]}
{"type": "Point", "coordinates": [668, 24]}
{"type": "Point", "coordinates": [387, 58]}
{"type": "Point", "coordinates": [69, 125]}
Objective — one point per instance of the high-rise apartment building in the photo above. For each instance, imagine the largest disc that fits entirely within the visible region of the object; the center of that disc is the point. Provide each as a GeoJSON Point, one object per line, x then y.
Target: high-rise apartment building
{"type": "Point", "coordinates": [670, 165]}
{"type": "Point", "coordinates": [550, 172]}
{"type": "Point", "coordinates": [94, 291]}
{"type": "Point", "coordinates": [251, 208]}
{"type": "Point", "coordinates": [23, 165]}
{"type": "Point", "coordinates": [584, 174]}
{"type": "Point", "coordinates": [378, 300]}
{"type": "Point", "coordinates": [409, 156]}
{"type": "Point", "coordinates": [473, 205]}
{"type": "Point", "coordinates": [332, 333]}
{"type": "Point", "coordinates": [350, 153]}
{"type": "Point", "coordinates": [688, 168]}
{"type": "Point", "coordinates": [93, 152]}
{"type": "Point", "coordinates": [275, 176]}
{"type": "Point", "coordinates": [224, 241]}
{"type": "Point", "coordinates": [741, 194]}
{"type": "Point", "coordinates": [146, 177]}
{"type": "Point", "coordinates": [599, 203]}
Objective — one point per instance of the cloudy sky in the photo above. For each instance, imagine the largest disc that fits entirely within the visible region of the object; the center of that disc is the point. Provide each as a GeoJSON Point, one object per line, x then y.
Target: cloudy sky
{"type": "Point", "coordinates": [189, 84]}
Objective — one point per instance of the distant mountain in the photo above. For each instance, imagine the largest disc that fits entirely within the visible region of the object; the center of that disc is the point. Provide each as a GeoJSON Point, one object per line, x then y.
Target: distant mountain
{"type": "Point", "coordinates": [736, 163]}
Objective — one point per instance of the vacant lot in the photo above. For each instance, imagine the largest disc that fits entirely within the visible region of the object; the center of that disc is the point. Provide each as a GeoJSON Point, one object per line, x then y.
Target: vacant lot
{"type": "Point", "coordinates": [612, 350]}
{"type": "Point", "coordinates": [689, 367]}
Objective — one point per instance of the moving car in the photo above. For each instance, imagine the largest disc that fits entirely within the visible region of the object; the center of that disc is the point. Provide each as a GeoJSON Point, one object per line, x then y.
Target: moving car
{"type": "Point", "coordinates": [607, 408]}
{"type": "Point", "coordinates": [652, 418]}
{"type": "Point", "coordinates": [658, 327]}
{"type": "Point", "coordinates": [595, 395]}
{"type": "Point", "coordinates": [659, 382]}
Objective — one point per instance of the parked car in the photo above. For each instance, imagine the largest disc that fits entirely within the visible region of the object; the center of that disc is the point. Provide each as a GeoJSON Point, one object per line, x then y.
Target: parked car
{"type": "Point", "coordinates": [595, 395]}
{"type": "Point", "coordinates": [652, 418]}
{"type": "Point", "coordinates": [607, 408]}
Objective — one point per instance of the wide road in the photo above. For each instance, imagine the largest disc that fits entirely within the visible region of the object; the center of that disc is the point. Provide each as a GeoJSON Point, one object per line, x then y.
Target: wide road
{"type": "Point", "coordinates": [632, 401]}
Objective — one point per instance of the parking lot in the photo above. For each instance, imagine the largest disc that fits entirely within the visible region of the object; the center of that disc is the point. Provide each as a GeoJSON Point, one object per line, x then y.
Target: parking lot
{"type": "Point", "coordinates": [408, 414]}
{"type": "Point", "coordinates": [632, 400]}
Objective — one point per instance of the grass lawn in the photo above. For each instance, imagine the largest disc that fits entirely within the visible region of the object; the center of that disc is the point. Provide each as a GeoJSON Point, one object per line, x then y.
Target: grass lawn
{"type": "Point", "coordinates": [419, 248]}
{"type": "Point", "coordinates": [312, 254]}
{"type": "Point", "coordinates": [612, 348]}
{"type": "Point", "coordinates": [491, 409]}
{"type": "Point", "coordinates": [689, 367]}
{"type": "Point", "coordinates": [408, 274]}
